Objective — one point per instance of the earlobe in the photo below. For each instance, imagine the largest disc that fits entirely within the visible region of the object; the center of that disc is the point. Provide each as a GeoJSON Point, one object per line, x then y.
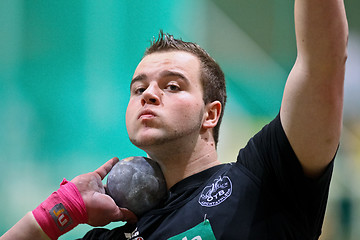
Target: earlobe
{"type": "Point", "coordinates": [213, 111]}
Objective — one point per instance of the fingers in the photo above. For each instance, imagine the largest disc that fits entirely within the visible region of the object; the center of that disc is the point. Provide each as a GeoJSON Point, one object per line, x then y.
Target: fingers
{"type": "Point", "coordinates": [102, 210]}
{"type": "Point", "coordinates": [105, 169]}
{"type": "Point", "coordinates": [127, 215]}
{"type": "Point", "coordinates": [117, 213]}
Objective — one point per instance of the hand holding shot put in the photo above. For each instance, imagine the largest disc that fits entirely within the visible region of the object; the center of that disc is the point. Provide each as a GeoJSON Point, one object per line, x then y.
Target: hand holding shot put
{"type": "Point", "coordinates": [85, 201]}
{"type": "Point", "coordinates": [101, 208]}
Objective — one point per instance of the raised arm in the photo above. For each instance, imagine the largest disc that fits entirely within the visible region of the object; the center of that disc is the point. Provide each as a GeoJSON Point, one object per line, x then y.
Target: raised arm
{"type": "Point", "coordinates": [311, 111]}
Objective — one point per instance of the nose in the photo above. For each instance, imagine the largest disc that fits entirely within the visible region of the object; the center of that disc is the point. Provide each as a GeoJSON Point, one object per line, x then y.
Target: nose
{"type": "Point", "coordinates": [151, 96]}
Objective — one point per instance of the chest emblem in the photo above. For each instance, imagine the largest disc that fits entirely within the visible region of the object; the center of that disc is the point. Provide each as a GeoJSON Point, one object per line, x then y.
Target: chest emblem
{"type": "Point", "coordinates": [216, 193]}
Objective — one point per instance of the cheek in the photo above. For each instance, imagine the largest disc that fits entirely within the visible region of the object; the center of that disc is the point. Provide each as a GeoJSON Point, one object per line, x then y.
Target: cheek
{"type": "Point", "coordinates": [128, 115]}
{"type": "Point", "coordinates": [189, 110]}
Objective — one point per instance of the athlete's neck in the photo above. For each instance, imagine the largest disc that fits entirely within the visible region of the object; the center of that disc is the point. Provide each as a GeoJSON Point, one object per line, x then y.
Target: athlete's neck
{"type": "Point", "coordinates": [179, 164]}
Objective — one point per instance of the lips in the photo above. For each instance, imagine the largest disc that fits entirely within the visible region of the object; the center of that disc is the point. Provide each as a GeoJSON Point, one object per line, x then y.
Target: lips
{"type": "Point", "coordinates": [146, 114]}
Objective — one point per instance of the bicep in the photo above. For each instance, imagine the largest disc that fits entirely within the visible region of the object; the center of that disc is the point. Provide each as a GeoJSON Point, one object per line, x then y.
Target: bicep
{"type": "Point", "coordinates": [311, 115]}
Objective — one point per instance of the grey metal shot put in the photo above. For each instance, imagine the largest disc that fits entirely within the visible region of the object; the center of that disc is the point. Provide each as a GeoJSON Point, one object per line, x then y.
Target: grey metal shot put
{"type": "Point", "coordinates": [136, 183]}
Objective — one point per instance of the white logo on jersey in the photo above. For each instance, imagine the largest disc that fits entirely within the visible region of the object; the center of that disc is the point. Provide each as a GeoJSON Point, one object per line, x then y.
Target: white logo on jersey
{"type": "Point", "coordinates": [216, 193]}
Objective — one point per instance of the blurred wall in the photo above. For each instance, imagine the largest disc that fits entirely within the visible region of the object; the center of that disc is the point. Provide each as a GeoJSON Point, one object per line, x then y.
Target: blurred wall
{"type": "Point", "coordinates": [65, 68]}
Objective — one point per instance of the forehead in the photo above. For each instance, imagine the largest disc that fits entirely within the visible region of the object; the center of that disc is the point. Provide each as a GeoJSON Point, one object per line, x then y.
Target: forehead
{"type": "Point", "coordinates": [187, 63]}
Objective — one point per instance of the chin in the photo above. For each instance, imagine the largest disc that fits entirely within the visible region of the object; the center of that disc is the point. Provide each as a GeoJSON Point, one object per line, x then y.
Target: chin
{"type": "Point", "coordinates": [146, 142]}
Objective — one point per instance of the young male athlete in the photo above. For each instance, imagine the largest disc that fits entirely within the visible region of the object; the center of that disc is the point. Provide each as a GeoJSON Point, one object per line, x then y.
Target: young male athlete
{"type": "Point", "coordinates": [278, 186]}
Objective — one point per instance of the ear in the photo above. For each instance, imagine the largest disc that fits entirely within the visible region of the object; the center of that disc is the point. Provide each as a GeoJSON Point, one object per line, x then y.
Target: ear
{"type": "Point", "coordinates": [212, 114]}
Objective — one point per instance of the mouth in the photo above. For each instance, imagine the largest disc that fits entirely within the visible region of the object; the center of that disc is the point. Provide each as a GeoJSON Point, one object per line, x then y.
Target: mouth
{"type": "Point", "coordinates": [146, 114]}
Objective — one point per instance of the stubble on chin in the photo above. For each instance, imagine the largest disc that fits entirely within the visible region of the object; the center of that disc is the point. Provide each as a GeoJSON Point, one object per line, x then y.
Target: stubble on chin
{"type": "Point", "coordinates": [148, 141]}
{"type": "Point", "coordinates": [173, 136]}
{"type": "Point", "coordinates": [167, 135]}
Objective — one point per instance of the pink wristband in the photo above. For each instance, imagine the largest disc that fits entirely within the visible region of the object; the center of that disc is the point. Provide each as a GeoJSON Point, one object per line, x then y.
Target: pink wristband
{"type": "Point", "coordinates": [61, 211]}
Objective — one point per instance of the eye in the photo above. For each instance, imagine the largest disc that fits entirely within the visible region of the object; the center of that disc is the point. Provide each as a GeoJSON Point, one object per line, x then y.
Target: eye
{"type": "Point", "coordinates": [139, 90]}
{"type": "Point", "coordinates": [173, 87]}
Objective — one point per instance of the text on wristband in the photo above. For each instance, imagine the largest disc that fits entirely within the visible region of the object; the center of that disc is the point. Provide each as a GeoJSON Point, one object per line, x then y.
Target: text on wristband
{"type": "Point", "coordinates": [61, 216]}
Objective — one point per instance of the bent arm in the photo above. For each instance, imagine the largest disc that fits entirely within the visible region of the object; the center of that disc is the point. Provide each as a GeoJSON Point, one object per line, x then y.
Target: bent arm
{"type": "Point", "coordinates": [311, 111]}
{"type": "Point", "coordinates": [101, 208]}
{"type": "Point", "coordinates": [26, 228]}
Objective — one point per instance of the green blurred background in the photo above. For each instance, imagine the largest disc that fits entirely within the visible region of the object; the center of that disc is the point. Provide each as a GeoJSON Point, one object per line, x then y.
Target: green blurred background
{"type": "Point", "coordinates": [65, 68]}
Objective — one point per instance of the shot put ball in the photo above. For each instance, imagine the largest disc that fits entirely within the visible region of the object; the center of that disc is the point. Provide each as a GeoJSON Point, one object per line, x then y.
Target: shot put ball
{"type": "Point", "coordinates": [136, 183]}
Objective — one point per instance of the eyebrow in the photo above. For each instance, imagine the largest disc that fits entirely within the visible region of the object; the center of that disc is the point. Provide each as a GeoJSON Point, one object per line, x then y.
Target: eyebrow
{"type": "Point", "coordinates": [138, 78]}
{"type": "Point", "coordinates": [165, 73]}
